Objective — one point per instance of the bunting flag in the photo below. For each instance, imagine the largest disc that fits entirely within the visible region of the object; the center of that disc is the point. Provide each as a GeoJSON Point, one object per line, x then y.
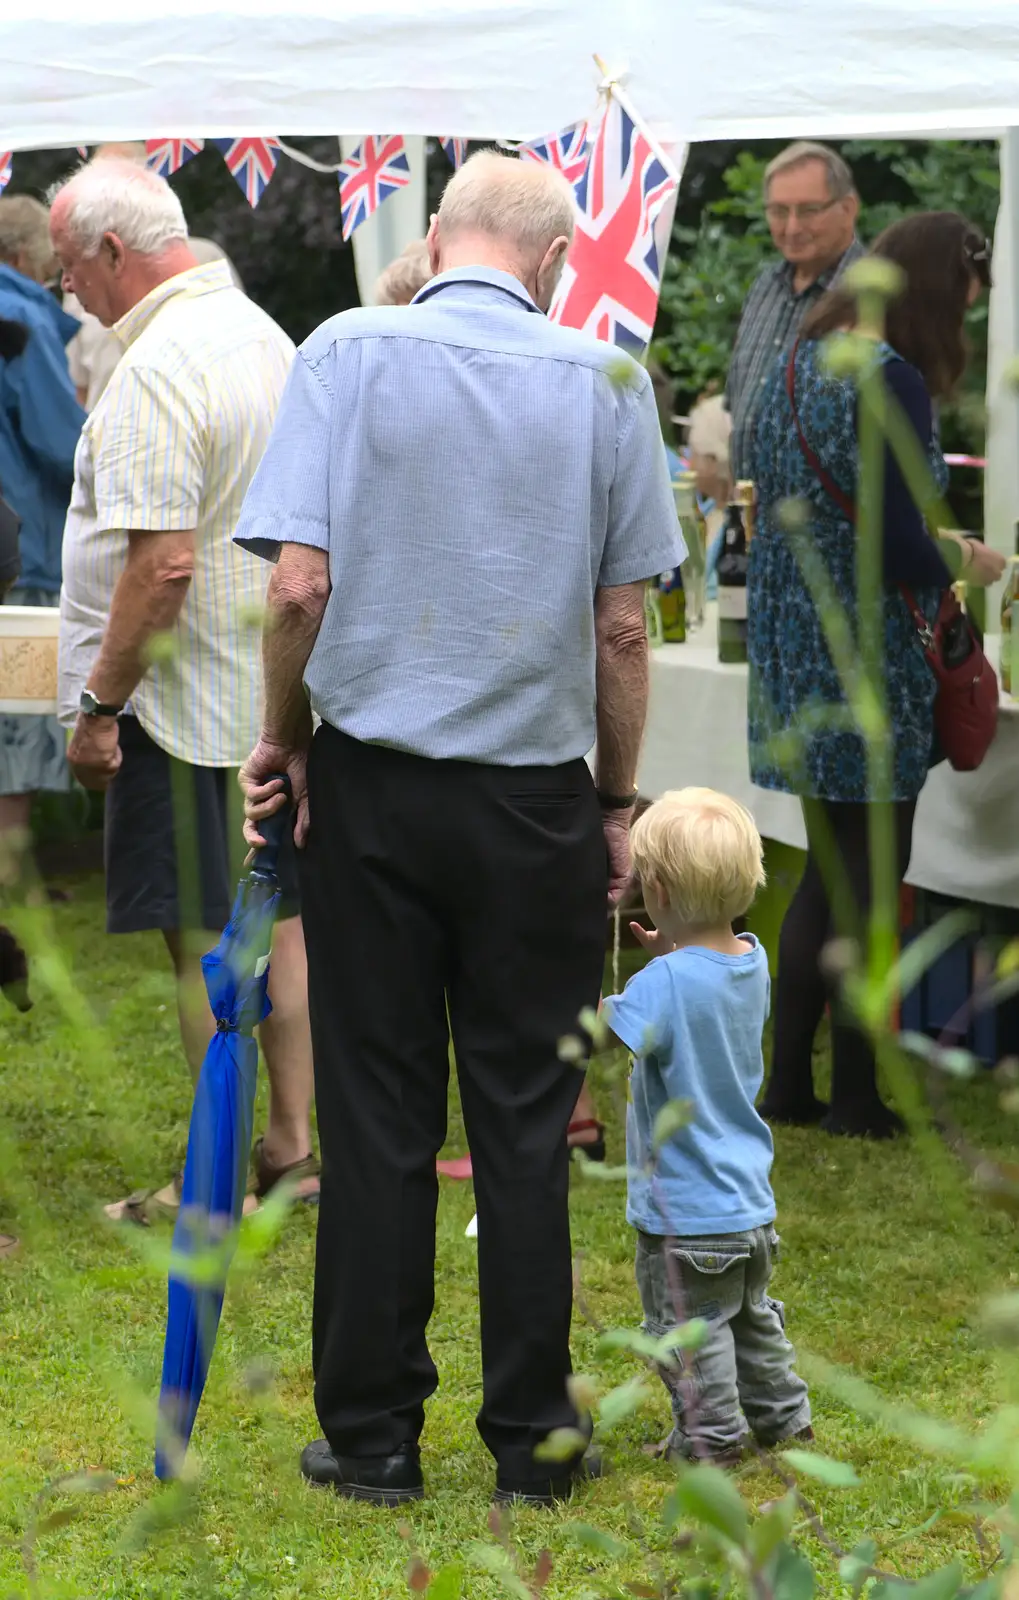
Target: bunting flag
{"type": "Point", "coordinates": [377, 168]}
{"type": "Point", "coordinates": [252, 162]}
{"type": "Point", "coordinates": [569, 151]}
{"type": "Point", "coordinates": [83, 151]}
{"type": "Point", "coordinates": [456, 149]}
{"type": "Point", "coordinates": [612, 276]}
{"type": "Point", "coordinates": [167, 156]}
{"type": "Point", "coordinates": [6, 162]}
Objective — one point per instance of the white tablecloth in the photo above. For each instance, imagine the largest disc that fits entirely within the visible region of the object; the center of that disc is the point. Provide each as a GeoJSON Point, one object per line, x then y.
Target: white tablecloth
{"type": "Point", "coordinates": [966, 841]}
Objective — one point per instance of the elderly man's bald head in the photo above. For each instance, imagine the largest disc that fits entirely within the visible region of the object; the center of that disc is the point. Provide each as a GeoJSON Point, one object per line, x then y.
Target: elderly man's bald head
{"type": "Point", "coordinates": [503, 212]}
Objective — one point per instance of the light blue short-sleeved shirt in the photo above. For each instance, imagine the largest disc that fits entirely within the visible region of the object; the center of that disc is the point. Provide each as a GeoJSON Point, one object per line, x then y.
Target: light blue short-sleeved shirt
{"type": "Point", "coordinates": [475, 472]}
{"type": "Point", "coordinates": [693, 1021]}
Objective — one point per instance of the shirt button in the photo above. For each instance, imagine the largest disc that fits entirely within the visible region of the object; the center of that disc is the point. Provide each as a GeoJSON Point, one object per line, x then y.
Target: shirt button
{"type": "Point", "coordinates": [709, 1261]}
{"type": "Point", "coordinates": [763, 382]}
{"type": "Point", "coordinates": [777, 342]}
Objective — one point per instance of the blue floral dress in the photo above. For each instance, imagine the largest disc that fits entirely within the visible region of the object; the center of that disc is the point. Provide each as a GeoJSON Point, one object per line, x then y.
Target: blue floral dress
{"type": "Point", "coordinates": [793, 681]}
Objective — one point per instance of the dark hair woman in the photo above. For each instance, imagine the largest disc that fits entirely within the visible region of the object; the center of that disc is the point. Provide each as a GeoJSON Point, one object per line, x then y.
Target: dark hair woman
{"type": "Point", "coordinates": [794, 687]}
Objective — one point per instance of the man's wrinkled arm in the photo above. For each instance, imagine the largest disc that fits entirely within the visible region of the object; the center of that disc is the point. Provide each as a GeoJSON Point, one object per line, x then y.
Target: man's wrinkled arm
{"type": "Point", "coordinates": [621, 676]}
{"type": "Point", "coordinates": [146, 601]}
{"type": "Point", "coordinates": [295, 605]}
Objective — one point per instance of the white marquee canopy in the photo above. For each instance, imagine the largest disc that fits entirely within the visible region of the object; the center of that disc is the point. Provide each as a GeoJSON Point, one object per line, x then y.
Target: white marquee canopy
{"type": "Point", "coordinates": [697, 69]}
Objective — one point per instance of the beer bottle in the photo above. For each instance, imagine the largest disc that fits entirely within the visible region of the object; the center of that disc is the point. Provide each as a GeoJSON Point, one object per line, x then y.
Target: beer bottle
{"type": "Point", "coordinates": [737, 531]}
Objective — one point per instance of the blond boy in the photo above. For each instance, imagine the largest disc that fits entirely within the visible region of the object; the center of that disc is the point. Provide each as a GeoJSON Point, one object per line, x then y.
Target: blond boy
{"type": "Point", "coordinates": [703, 1205]}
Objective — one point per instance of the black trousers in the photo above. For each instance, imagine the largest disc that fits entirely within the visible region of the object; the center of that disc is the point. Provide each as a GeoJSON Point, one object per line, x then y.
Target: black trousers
{"type": "Point", "coordinates": [802, 991]}
{"type": "Point", "coordinates": [426, 888]}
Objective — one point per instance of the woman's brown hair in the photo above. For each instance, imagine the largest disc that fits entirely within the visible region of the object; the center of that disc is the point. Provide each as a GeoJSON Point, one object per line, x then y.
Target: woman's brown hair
{"type": "Point", "coordinates": [940, 254]}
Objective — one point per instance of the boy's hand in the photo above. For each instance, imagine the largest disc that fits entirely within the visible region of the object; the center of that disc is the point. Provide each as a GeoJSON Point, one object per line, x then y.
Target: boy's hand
{"type": "Point", "coordinates": [654, 940]}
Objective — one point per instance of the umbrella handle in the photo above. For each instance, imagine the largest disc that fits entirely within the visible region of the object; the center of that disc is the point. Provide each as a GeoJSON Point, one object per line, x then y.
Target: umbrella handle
{"type": "Point", "coordinates": [273, 830]}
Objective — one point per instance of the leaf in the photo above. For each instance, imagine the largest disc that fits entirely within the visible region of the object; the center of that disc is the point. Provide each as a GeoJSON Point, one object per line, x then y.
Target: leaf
{"type": "Point", "coordinates": [594, 1539]}
{"type": "Point", "coordinates": [772, 1528]}
{"type": "Point", "coordinates": [941, 1585]}
{"type": "Point", "coordinates": [707, 1496]}
{"type": "Point", "coordinates": [922, 952]}
{"type": "Point", "coordinates": [792, 1576]}
{"type": "Point", "coordinates": [494, 1560]}
{"type": "Point", "coordinates": [598, 1169]}
{"type": "Point", "coordinates": [635, 1339]}
{"type": "Point", "coordinates": [621, 1402]}
{"type": "Point", "coordinates": [447, 1584]}
{"type": "Point", "coordinates": [583, 1392]}
{"type": "Point", "coordinates": [418, 1576]}
{"type": "Point", "coordinates": [542, 1570]}
{"type": "Point", "coordinates": [562, 1444]}
{"type": "Point", "coordinates": [853, 1568]}
{"type": "Point", "coordinates": [674, 1115]}
{"type": "Point", "coordinates": [837, 1474]}
{"type": "Point", "coordinates": [56, 1519]}
{"type": "Point", "coordinates": [687, 1336]}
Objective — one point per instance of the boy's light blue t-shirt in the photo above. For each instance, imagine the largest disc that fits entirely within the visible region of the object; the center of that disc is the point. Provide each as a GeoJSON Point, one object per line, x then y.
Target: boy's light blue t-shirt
{"type": "Point", "coordinates": [693, 1021]}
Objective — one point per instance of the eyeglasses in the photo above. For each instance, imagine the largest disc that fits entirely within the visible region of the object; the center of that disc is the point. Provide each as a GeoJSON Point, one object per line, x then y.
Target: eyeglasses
{"type": "Point", "coordinates": [808, 212]}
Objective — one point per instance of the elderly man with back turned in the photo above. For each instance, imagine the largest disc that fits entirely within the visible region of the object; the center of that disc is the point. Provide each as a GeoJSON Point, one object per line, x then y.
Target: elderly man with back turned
{"type": "Point", "coordinates": [160, 476]}
{"type": "Point", "coordinates": [811, 206]}
{"type": "Point", "coordinates": [465, 606]}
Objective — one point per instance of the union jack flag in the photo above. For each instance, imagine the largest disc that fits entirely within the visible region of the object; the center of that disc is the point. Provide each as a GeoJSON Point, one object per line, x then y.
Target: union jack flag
{"type": "Point", "coordinates": [6, 161]}
{"type": "Point", "coordinates": [376, 170]}
{"type": "Point", "coordinates": [569, 151]}
{"type": "Point", "coordinates": [612, 276]}
{"type": "Point", "coordinates": [168, 155]}
{"type": "Point", "coordinates": [252, 162]}
{"type": "Point", "coordinates": [456, 149]}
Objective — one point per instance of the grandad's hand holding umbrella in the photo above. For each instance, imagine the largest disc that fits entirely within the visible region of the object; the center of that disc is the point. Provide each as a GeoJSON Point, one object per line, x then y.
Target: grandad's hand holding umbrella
{"type": "Point", "coordinates": [219, 1140]}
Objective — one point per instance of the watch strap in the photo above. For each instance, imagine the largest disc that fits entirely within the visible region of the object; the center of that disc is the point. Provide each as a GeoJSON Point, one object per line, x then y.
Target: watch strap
{"type": "Point", "coordinates": [616, 802]}
{"type": "Point", "coordinates": [93, 707]}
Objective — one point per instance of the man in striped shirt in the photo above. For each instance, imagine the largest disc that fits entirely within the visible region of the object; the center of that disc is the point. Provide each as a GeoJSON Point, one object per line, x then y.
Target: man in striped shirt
{"type": "Point", "coordinates": [160, 660]}
{"type": "Point", "coordinates": [811, 205]}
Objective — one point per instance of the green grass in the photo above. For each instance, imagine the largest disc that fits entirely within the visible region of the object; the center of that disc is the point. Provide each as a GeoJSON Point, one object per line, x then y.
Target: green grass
{"type": "Point", "coordinates": [883, 1269]}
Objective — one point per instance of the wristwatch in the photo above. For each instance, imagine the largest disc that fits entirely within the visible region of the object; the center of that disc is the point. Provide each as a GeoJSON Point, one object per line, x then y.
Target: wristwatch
{"type": "Point", "coordinates": [616, 802]}
{"type": "Point", "coordinates": [90, 706]}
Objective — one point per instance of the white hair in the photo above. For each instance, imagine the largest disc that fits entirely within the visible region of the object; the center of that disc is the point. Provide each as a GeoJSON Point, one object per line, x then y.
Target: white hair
{"type": "Point", "coordinates": [112, 195]}
{"type": "Point", "coordinates": [710, 429]}
{"type": "Point", "coordinates": [526, 203]}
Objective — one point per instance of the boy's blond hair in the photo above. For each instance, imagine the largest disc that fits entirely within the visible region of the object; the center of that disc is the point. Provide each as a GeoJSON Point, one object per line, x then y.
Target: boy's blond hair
{"type": "Point", "coordinates": [704, 849]}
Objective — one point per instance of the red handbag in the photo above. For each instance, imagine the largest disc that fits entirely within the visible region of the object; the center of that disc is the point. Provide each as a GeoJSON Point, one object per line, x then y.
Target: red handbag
{"type": "Point", "coordinates": [966, 702]}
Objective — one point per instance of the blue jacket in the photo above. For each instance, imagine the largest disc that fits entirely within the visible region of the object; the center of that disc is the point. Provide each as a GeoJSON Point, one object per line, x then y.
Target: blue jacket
{"type": "Point", "coordinates": [40, 422]}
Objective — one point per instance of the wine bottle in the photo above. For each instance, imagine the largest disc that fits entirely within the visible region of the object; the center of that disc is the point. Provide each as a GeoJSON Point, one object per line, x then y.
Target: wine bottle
{"type": "Point", "coordinates": [1010, 624]}
{"type": "Point", "coordinates": [733, 557]}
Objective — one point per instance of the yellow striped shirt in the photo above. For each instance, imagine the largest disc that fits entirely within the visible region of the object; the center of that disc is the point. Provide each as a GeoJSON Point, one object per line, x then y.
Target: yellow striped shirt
{"type": "Point", "coordinates": [173, 444]}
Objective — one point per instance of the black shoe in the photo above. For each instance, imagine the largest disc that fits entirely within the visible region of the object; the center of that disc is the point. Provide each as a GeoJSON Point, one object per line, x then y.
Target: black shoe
{"type": "Point", "coordinates": [863, 1122]}
{"type": "Point", "coordinates": [381, 1480]}
{"type": "Point", "coordinates": [805, 1113]}
{"type": "Point", "coordinates": [547, 1491]}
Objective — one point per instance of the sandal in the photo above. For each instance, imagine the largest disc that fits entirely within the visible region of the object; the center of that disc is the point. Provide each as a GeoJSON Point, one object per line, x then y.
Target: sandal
{"type": "Point", "coordinates": [145, 1206]}
{"type": "Point", "coordinates": [267, 1175]}
{"type": "Point", "coordinates": [594, 1149]}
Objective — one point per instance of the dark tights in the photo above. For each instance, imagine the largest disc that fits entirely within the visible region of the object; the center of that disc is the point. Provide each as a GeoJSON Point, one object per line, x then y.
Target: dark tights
{"type": "Point", "coordinates": [802, 991]}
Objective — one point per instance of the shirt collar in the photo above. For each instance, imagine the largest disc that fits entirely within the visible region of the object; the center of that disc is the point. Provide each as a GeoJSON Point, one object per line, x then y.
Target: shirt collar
{"type": "Point", "coordinates": [194, 281]}
{"type": "Point", "coordinates": [825, 279]}
{"type": "Point", "coordinates": [489, 277]}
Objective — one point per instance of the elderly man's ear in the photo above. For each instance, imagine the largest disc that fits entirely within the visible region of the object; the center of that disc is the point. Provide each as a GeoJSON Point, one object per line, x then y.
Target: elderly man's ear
{"type": "Point", "coordinates": [432, 241]}
{"type": "Point", "coordinates": [550, 270]}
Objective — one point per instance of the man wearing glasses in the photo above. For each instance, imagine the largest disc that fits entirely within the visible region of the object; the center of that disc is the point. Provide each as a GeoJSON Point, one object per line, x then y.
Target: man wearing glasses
{"type": "Point", "coordinates": [811, 206]}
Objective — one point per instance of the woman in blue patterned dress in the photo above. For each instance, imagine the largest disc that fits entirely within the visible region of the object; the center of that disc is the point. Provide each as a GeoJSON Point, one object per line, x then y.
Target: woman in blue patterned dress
{"type": "Point", "coordinates": [794, 688]}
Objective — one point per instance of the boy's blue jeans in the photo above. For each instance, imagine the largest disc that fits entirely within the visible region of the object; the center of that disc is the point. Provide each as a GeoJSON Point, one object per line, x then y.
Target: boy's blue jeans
{"type": "Point", "coordinates": [745, 1368]}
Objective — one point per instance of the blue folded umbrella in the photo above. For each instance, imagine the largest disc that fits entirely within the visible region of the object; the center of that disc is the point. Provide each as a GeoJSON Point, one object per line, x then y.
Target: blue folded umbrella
{"type": "Point", "coordinates": [219, 1143]}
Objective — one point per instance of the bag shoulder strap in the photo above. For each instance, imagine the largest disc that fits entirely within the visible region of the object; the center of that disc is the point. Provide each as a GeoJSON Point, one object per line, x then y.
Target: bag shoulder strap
{"type": "Point", "coordinates": [841, 499]}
